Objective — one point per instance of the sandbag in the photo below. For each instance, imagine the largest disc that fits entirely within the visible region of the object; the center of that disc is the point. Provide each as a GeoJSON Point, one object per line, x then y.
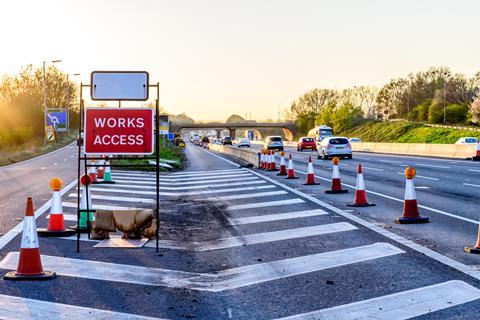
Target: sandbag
{"type": "Point", "coordinates": [104, 221]}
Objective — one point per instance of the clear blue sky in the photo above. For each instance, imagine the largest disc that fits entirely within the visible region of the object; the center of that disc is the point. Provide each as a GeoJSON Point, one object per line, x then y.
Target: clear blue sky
{"type": "Point", "coordinates": [218, 57]}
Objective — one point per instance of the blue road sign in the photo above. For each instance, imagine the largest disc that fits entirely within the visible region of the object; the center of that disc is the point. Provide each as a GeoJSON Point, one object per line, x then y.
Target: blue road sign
{"type": "Point", "coordinates": [57, 118]}
{"type": "Point", "coordinates": [171, 136]}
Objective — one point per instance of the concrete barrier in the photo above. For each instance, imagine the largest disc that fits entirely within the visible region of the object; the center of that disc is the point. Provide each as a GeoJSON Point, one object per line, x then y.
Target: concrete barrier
{"type": "Point", "coordinates": [247, 155]}
{"type": "Point", "coordinates": [418, 149]}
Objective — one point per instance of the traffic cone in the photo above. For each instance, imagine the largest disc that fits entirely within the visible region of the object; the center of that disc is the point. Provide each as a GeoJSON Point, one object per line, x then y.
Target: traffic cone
{"type": "Point", "coordinates": [86, 207]}
{"type": "Point", "coordinates": [360, 193]}
{"type": "Point", "coordinates": [410, 207]}
{"type": "Point", "coordinates": [29, 263]}
{"type": "Point", "coordinates": [290, 170]}
{"type": "Point", "coordinates": [262, 159]}
{"type": "Point", "coordinates": [107, 176]}
{"type": "Point", "coordinates": [273, 163]}
{"type": "Point", "coordinates": [101, 169]}
{"type": "Point", "coordinates": [336, 183]}
{"type": "Point", "coordinates": [56, 224]}
{"type": "Point", "coordinates": [310, 180]}
{"type": "Point", "coordinates": [92, 171]}
{"type": "Point", "coordinates": [283, 168]}
{"type": "Point", "coordinates": [477, 153]}
{"type": "Point", "coordinates": [476, 248]}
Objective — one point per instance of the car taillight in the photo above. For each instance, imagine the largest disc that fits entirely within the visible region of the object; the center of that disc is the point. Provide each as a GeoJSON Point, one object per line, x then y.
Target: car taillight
{"type": "Point", "coordinates": [349, 146]}
{"type": "Point", "coordinates": [329, 146]}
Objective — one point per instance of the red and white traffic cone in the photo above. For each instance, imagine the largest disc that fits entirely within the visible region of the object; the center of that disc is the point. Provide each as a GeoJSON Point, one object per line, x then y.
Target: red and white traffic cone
{"type": "Point", "coordinates": [283, 167]}
{"type": "Point", "coordinates": [265, 159]}
{"type": "Point", "coordinates": [477, 153]}
{"type": "Point", "coordinates": [56, 223]}
{"type": "Point", "coordinates": [101, 169]}
{"type": "Point", "coordinates": [273, 163]}
{"type": "Point", "coordinates": [262, 159]}
{"type": "Point", "coordinates": [476, 248]}
{"type": "Point", "coordinates": [29, 263]}
{"type": "Point", "coordinates": [336, 183]}
{"type": "Point", "coordinates": [92, 172]}
{"type": "Point", "coordinates": [310, 179]}
{"type": "Point", "coordinates": [290, 170]}
{"type": "Point", "coordinates": [360, 193]}
{"type": "Point", "coordinates": [410, 207]}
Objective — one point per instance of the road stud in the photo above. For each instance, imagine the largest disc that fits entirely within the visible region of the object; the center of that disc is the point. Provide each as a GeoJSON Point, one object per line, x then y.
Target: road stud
{"type": "Point", "coordinates": [86, 215]}
{"type": "Point", "coordinates": [310, 179]}
{"type": "Point", "coordinates": [360, 193]}
{"type": "Point", "coordinates": [283, 167]}
{"type": "Point", "coordinates": [56, 223]}
{"type": "Point", "coordinates": [107, 176]}
{"type": "Point", "coordinates": [476, 248]}
{"type": "Point", "coordinates": [336, 183]}
{"type": "Point", "coordinates": [29, 263]}
{"type": "Point", "coordinates": [290, 170]}
{"type": "Point", "coordinates": [410, 207]}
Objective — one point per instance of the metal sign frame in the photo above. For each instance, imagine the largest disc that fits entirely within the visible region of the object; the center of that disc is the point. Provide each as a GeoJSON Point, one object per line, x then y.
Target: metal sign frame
{"type": "Point", "coordinates": [83, 161]}
{"type": "Point", "coordinates": [146, 86]}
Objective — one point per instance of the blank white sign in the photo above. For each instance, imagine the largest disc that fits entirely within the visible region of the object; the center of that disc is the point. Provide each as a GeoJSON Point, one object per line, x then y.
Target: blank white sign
{"type": "Point", "coordinates": [118, 85]}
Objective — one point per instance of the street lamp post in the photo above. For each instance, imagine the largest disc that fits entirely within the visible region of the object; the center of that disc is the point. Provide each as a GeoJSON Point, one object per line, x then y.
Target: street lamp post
{"type": "Point", "coordinates": [45, 97]}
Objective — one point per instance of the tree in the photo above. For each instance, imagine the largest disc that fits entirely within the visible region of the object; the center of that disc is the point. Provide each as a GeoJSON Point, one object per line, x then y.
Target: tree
{"type": "Point", "coordinates": [346, 117]}
{"type": "Point", "coordinates": [475, 110]}
{"type": "Point", "coordinates": [235, 118]}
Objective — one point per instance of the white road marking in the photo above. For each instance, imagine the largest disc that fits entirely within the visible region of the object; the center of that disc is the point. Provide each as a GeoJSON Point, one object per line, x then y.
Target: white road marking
{"type": "Point", "coordinates": [17, 308]}
{"type": "Point", "coordinates": [265, 204]}
{"type": "Point", "coordinates": [162, 187]}
{"type": "Point", "coordinates": [277, 217]}
{"type": "Point", "coordinates": [472, 185]}
{"type": "Point", "coordinates": [431, 166]}
{"type": "Point", "coordinates": [240, 171]}
{"type": "Point", "coordinates": [113, 198]}
{"type": "Point", "coordinates": [423, 187]}
{"type": "Point", "coordinates": [257, 238]}
{"type": "Point", "coordinates": [100, 206]}
{"type": "Point", "coordinates": [183, 183]}
{"type": "Point", "coordinates": [245, 174]}
{"type": "Point", "coordinates": [55, 163]}
{"type": "Point", "coordinates": [388, 161]}
{"type": "Point", "coordinates": [206, 171]}
{"type": "Point", "coordinates": [178, 194]}
{"type": "Point", "coordinates": [401, 305]}
{"type": "Point", "coordinates": [370, 168]}
{"type": "Point", "coordinates": [269, 271]}
{"type": "Point", "coordinates": [64, 160]}
{"type": "Point", "coordinates": [246, 196]}
{"type": "Point", "coordinates": [421, 177]}
{"type": "Point", "coordinates": [473, 170]}
{"type": "Point", "coordinates": [43, 168]}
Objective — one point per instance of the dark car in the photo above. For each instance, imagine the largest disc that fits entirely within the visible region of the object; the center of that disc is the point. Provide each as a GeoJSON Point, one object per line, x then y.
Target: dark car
{"type": "Point", "coordinates": [306, 143]}
{"type": "Point", "coordinates": [227, 140]}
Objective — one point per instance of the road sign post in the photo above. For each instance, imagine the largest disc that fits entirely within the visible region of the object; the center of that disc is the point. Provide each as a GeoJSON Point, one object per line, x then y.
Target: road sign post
{"type": "Point", "coordinates": [50, 133]}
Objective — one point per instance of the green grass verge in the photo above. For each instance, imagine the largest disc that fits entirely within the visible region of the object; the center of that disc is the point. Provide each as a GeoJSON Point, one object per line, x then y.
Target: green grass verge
{"type": "Point", "coordinates": [404, 132]}
{"type": "Point", "coordinates": [166, 152]}
{"type": "Point", "coordinates": [33, 149]}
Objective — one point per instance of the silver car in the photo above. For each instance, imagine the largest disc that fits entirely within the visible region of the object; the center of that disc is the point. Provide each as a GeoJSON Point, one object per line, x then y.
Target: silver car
{"type": "Point", "coordinates": [273, 143]}
{"type": "Point", "coordinates": [334, 147]}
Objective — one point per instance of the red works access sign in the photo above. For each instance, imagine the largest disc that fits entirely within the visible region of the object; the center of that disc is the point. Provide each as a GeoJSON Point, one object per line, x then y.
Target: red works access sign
{"type": "Point", "coordinates": [118, 131]}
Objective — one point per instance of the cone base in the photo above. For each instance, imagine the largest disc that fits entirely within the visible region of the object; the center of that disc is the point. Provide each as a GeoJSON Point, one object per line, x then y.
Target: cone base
{"type": "Point", "coordinates": [411, 220]}
{"type": "Point", "coordinates": [43, 232]}
{"type": "Point", "coordinates": [310, 184]}
{"type": "Point", "coordinates": [46, 275]}
{"type": "Point", "coordinates": [107, 182]}
{"type": "Point", "coordinates": [361, 205]}
{"type": "Point", "coordinates": [281, 174]}
{"type": "Point", "coordinates": [292, 178]}
{"type": "Point", "coordinates": [96, 182]}
{"type": "Point", "coordinates": [335, 191]}
{"type": "Point", "coordinates": [472, 250]}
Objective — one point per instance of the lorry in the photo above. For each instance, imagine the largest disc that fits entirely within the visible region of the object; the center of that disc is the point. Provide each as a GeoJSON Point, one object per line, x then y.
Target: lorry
{"type": "Point", "coordinates": [320, 132]}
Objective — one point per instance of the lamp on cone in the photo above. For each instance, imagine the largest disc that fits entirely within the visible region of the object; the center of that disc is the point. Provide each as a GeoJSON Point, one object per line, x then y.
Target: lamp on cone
{"type": "Point", "coordinates": [29, 262]}
{"type": "Point", "coordinates": [310, 179]}
{"type": "Point", "coordinates": [56, 223]}
{"type": "Point", "coordinates": [290, 169]}
{"type": "Point", "coordinates": [476, 248]}
{"type": "Point", "coordinates": [283, 167]}
{"type": "Point", "coordinates": [410, 207]}
{"type": "Point", "coordinates": [336, 183]}
{"type": "Point", "coordinates": [360, 193]}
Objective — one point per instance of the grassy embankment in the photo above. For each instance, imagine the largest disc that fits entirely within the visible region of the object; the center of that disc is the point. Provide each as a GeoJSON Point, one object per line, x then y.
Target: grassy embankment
{"type": "Point", "coordinates": [405, 132]}
{"type": "Point", "coordinates": [33, 148]}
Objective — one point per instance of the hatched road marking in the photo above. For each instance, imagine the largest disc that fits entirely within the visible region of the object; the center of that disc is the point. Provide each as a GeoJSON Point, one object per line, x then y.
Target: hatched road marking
{"type": "Point", "coordinates": [277, 217]}
{"type": "Point", "coordinates": [265, 204]}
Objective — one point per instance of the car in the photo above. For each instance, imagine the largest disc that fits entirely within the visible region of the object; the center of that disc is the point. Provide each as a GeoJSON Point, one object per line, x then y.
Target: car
{"type": "Point", "coordinates": [273, 143]}
{"type": "Point", "coordinates": [179, 142]}
{"type": "Point", "coordinates": [227, 140]}
{"type": "Point", "coordinates": [217, 141]}
{"type": "Point", "coordinates": [334, 147]}
{"type": "Point", "coordinates": [467, 140]}
{"type": "Point", "coordinates": [306, 143]}
{"type": "Point", "coordinates": [244, 142]}
{"type": "Point", "coordinates": [355, 140]}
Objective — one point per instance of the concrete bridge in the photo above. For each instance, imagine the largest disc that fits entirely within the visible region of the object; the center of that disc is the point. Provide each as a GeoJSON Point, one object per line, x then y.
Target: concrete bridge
{"type": "Point", "coordinates": [289, 128]}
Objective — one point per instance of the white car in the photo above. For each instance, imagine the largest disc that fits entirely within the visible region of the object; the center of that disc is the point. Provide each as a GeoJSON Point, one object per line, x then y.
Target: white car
{"type": "Point", "coordinates": [334, 147]}
{"type": "Point", "coordinates": [273, 143]}
{"type": "Point", "coordinates": [355, 140]}
{"type": "Point", "coordinates": [244, 142]}
{"type": "Point", "coordinates": [467, 140]}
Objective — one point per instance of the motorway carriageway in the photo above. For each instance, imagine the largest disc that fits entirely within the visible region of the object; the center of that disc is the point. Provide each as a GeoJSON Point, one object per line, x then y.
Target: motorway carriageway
{"type": "Point", "coordinates": [447, 191]}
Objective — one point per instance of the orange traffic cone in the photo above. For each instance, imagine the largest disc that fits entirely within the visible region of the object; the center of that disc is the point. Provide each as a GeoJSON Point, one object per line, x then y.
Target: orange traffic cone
{"type": "Point", "coordinates": [56, 224]}
{"type": "Point", "coordinates": [29, 263]}
{"type": "Point", "coordinates": [360, 193]}
{"type": "Point", "coordinates": [310, 180]}
{"type": "Point", "coordinates": [265, 159]}
{"type": "Point", "coordinates": [273, 164]}
{"type": "Point", "coordinates": [410, 207]}
{"type": "Point", "coordinates": [336, 183]}
{"type": "Point", "coordinates": [92, 172]}
{"type": "Point", "coordinates": [290, 170]}
{"type": "Point", "coordinates": [262, 159]}
{"type": "Point", "coordinates": [477, 153]}
{"type": "Point", "coordinates": [476, 248]}
{"type": "Point", "coordinates": [283, 168]}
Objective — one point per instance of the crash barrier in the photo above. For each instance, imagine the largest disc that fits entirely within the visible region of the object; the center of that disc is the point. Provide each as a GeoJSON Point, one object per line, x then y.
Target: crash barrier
{"type": "Point", "coordinates": [249, 156]}
{"type": "Point", "coordinates": [418, 149]}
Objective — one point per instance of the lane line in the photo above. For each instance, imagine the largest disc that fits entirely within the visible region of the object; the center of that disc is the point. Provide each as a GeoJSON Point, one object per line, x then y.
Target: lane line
{"type": "Point", "coordinates": [400, 306]}
{"type": "Point", "coordinates": [257, 238]}
{"type": "Point", "coordinates": [472, 185]}
{"type": "Point", "coordinates": [207, 171]}
{"type": "Point", "coordinates": [389, 161]}
{"type": "Point", "coordinates": [100, 206]}
{"type": "Point", "coordinates": [114, 198]}
{"type": "Point", "coordinates": [246, 196]}
{"type": "Point", "coordinates": [370, 168]}
{"type": "Point", "coordinates": [265, 204]}
{"type": "Point", "coordinates": [431, 166]}
{"type": "Point", "coordinates": [162, 187]}
{"type": "Point", "coordinates": [178, 194]}
{"type": "Point", "coordinates": [17, 308]}
{"type": "Point", "coordinates": [183, 183]}
{"type": "Point", "coordinates": [473, 170]}
{"type": "Point", "coordinates": [277, 217]}
{"type": "Point", "coordinates": [269, 271]}
{"type": "Point", "coordinates": [207, 174]}
{"type": "Point", "coordinates": [245, 174]}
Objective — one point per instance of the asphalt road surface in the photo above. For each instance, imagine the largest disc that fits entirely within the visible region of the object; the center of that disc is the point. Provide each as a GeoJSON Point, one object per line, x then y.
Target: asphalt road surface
{"type": "Point", "coordinates": [239, 243]}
